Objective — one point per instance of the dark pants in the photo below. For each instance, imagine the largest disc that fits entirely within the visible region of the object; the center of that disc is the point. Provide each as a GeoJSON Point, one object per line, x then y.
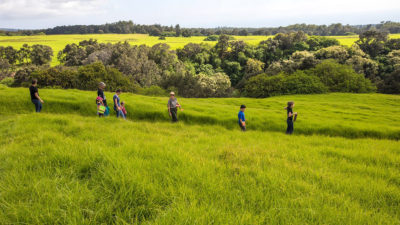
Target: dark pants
{"type": "Point", "coordinates": [38, 105]}
{"type": "Point", "coordinates": [242, 127]}
{"type": "Point", "coordinates": [174, 114]}
{"type": "Point", "coordinates": [289, 129]}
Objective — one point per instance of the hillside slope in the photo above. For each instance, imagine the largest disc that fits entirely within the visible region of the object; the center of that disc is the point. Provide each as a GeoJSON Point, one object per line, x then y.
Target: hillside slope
{"type": "Point", "coordinates": [336, 114]}
{"type": "Point", "coordinates": [66, 166]}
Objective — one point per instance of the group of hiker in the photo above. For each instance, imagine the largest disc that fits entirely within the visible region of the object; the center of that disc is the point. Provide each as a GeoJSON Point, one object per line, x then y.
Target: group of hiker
{"type": "Point", "coordinates": [173, 105]}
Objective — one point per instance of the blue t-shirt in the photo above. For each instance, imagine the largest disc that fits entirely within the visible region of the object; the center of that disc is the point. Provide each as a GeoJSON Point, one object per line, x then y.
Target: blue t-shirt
{"type": "Point", "coordinates": [241, 117]}
{"type": "Point", "coordinates": [116, 97]}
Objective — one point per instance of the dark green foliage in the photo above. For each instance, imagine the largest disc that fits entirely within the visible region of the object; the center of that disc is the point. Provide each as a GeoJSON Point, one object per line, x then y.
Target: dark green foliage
{"type": "Point", "coordinates": [234, 70]}
{"type": "Point", "coordinates": [393, 44]}
{"type": "Point", "coordinates": [56, 77]}
{"type": "Point", "coordinates": [187, 33]}
{"type": "Point", "coordinates": [89, 77]}
{"type": "Point", "coordinates": [85, 78]}
{"type": "Point", "coordinates": [189, 68]}
{"type": "Point", "coordinates": [243, 32]}
{"type": "Point", "coordinates": [8, 81]}
{"type": "Point", "coordinates": [178, 30]}
{"type": "Point", "coordinates": [211, 38]}
{"type": "Point", "coordinates": [41, 54]}
{"type": "Point", "coordinates": [391, 84]}
{"type": "Point", "coordinates": [126, 27]}
{"type": "Point", "coordinates": [9, 53]}
{"type": "Point", "coordinates": [317, 42]}
{"type": "Point", "coordinates": [372, 42]}
{"type": "Point", "coordinates": [297, 83]}
{"type": "Point", "coordinates": [23, 76]}
{"type": "Point", "coordinates": [4, 68]}
{"type": "Point", "coordinates": [36, 54]}
{"type": "Point", "coordinates": [341, 78]}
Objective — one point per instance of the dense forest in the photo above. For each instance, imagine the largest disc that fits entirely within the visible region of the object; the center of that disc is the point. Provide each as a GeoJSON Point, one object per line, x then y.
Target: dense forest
{"type": "Point", "coordinates": [292, 63]}
{"type": "Point", "coordinates": [128, 27]}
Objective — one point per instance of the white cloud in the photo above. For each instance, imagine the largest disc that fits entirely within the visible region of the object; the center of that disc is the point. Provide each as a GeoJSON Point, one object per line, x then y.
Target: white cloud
{"type": "Point", "coordinates": [26, 9]}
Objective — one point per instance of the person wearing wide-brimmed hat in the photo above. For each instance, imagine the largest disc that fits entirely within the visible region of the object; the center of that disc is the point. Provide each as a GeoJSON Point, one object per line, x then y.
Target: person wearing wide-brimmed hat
{"type": "Point", "coordinates": [172, 107]}
{"type": "Point", "coordinates": [100, 92]}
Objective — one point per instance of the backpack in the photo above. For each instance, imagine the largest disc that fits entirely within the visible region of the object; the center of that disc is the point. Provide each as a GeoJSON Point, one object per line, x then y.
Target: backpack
{"type": "Point", "coordinates": [101, 109]}
{"type": "Point", "coordinates": [107, 112]}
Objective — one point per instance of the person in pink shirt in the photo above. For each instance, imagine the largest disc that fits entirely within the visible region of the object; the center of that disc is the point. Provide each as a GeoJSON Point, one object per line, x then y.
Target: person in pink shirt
{"type": "Point", "coordinates": [123, 108]}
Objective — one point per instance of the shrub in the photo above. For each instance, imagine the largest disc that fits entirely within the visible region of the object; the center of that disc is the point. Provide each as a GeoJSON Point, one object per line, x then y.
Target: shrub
{"type": "Point", "coordinates": [56, 77]}
{"type": "Point", "coordinates": [216, 85]}
{"type": "Point", "coordinates": [391, 83]}
{"type": "Point", "coordinates": [90, 75]}
{"type": "Point", "coordinates": [211, 38]}
{"type": "Point", "coordinates": [301, 83]}
{"type": "Point", "coordinates": [318, 42]}
{"type": "Point", "coordinates": [341, 78]}
{"type": "Point", "coordinates": [23, 76]}
{"type": "Point", "coordinates": [262, 86]}
{"type": "Point", "coordinates": [41, 54]}
{"type": "Point", "coordinates": [8, 81]}
{"type": "Point", "coordinates": [339, 53]}
{"type": "Point", "coordinates": [281, 84]}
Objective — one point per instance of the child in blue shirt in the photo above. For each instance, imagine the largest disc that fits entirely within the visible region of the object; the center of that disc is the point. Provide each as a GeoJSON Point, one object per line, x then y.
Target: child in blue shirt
{"type": "Point", "coordinates": [242, 120]}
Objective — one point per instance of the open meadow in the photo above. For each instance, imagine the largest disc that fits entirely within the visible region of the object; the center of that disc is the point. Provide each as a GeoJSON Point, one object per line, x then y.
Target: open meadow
{"type": "Point", "coordinates": [58, 42]}
{"type": "Point", "coordinates": [66, 166]}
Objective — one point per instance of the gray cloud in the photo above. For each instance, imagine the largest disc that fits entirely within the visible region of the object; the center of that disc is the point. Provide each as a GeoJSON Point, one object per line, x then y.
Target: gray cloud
{"type": "Point", "coordinates": [29, 9]}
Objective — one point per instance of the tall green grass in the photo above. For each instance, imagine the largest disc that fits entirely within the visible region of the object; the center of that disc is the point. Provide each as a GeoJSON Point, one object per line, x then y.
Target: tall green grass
{"type": "Point", "coordinates": [67, 166]}
{"type": "Point", "coordinates": [336, 114]}
{"type": "Point", "coordinates": [71, 169]}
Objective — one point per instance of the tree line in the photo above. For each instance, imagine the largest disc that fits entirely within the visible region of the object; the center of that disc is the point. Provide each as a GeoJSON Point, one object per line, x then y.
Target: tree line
{"type": "Point", "coordinates": [128, 27]}
{"type": "Point", "coordinates": [293, 63]}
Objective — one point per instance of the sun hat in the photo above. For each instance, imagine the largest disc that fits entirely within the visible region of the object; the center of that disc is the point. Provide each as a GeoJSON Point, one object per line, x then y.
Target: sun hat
{"type": "Point", "coordinates": [172, 93]}
{"type": "Point", "coordinates": [99, 98]}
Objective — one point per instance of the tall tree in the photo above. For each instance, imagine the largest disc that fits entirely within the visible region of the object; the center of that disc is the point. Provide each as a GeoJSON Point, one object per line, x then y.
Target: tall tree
{"type": "Point", "coordinates": [372, 42]}
{"type": "Point", "coordinates": [178, 31]}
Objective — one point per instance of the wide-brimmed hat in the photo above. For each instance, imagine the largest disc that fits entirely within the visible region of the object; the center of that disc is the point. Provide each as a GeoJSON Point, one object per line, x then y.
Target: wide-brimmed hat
{"type": "Point", "coordinates": [99, 98]}
{"type": "Point", "coordinates": [172, 93]}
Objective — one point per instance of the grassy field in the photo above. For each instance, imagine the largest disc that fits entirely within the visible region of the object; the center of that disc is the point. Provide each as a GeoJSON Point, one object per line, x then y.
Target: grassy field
{"type": "Point", "coordinates": [66, 166]}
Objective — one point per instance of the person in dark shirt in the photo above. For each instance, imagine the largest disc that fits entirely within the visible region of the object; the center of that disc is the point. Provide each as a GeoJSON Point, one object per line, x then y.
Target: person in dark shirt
{"type": "Point", "coordinates": [100, 92]}
{"type": "Point", "coordinates": [290, 115]}
{"type": "Point", "coordinates": [242, 120]}
{"type": "Point", "coordinates": [35, 98]}
{"type": "Point", "coordinates": [117, 104]}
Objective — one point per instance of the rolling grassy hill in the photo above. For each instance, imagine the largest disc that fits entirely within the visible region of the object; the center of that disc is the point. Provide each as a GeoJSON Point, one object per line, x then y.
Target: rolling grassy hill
{"type": "Point", "coordinates": [66, 166]}
{"type": "Point", "coordinates": [58, 42]}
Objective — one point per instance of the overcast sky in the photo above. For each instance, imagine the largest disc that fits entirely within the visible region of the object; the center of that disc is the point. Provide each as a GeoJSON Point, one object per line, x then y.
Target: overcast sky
{"type": "Point", "coordinates": [34, 14]}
